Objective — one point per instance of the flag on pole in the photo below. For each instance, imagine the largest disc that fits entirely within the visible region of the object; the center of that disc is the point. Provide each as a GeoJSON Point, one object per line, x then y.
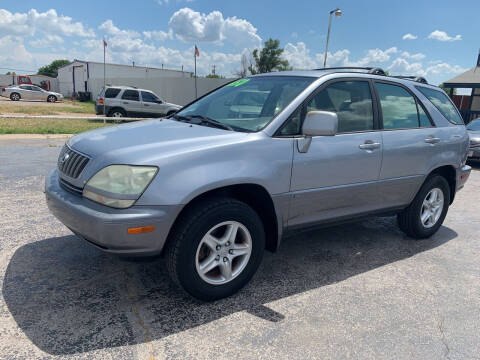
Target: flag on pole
{"type": "Point", "coordinates": [104, 42]}
{"type": "Point", "coordinates": [197, 53]}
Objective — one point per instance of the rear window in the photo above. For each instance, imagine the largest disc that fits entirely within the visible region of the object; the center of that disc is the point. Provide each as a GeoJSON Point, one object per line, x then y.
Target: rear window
{"type": "Point", "coordinates": [443, 104]}
{"type": "Point", "coordinates": [130, 95]}
{"type": "Point", "coordinates": [111, 93]}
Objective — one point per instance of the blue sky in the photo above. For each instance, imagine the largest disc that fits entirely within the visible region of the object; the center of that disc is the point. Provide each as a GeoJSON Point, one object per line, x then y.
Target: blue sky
{"type": "Point", "coordinates": [443, 35]}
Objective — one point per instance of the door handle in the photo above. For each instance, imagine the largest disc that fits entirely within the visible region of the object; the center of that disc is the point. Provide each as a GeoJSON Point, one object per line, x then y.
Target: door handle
{"type": "Point", "coordinates": [369, 145]}
{"type": "Point", "coordinates": [125, 102]}
{"type": "Point", "coordinates": [432, 140]}
{"type": "Point", "coordinates": [146, 105]}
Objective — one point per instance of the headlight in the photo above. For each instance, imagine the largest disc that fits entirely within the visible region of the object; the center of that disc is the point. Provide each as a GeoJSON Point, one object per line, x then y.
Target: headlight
{"type": "Point", "coordinates": [119, 186]}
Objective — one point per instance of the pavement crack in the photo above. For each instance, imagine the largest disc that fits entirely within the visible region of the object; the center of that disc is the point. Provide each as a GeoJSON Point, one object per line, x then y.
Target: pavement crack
{"type": "Point", "coordinates": [133, 298]}
{"type": "Point", "coordinates": [444, 340]}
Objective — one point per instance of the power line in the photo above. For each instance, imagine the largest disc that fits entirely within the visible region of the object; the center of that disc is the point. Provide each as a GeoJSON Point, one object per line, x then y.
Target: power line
{"type": "Point", "coordinates": [3, 68]}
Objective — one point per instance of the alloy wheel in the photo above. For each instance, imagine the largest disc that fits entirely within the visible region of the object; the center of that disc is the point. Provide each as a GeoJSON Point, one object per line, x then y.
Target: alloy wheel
{"type": "Point", "coordinates": [432, 207]}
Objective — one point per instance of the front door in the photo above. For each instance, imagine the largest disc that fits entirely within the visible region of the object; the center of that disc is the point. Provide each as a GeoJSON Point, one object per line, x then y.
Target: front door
{"type": "Point", "coordinates": [336, 176]}
{"type": "Point", "coordinates": [152, 105]}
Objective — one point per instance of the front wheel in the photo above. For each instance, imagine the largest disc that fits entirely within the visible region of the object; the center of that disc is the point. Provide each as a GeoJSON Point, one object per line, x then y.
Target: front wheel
{"type": "Point", "coordinates": [216, 248]}
{"type": "Point", "coordinates": [424, 216]}
{"type": "Point", "coordinates": [14, 96]}
{"type": "Point", "coordinates": [52, 98]}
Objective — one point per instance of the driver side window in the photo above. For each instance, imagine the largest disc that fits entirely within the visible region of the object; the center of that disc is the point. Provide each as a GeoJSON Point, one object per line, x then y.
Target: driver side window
{"type": "Point", "coordinates": [350, 100]}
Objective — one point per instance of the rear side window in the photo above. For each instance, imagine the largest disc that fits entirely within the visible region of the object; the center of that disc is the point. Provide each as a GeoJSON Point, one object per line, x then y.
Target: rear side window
{"type": "Point", "coordinates": [443, 104]}
{"type": "Point", "coordinates": [130, 95]}
{"type": "Point", "coordinates": [149, 97]}
{"type": "Point", "coordinates": [399, 108]}
{"type": "Point", "coordinates": [111, 93]}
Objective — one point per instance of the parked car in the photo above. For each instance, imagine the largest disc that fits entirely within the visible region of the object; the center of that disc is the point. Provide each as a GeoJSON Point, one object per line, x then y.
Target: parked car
{"type": "Point", "coordinates": [473, 129]}
{"type": "Point", "coordinates": [30, 92]}
{"type": "Point", "coordinates": [210, 192]}
{"type": "Point", "coordinates": [121, 101]}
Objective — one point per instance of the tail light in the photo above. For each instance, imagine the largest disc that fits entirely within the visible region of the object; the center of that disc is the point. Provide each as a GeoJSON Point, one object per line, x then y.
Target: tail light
{"type": "Point", "coordinates": [3, 89]}
{"type": "Point", "coordinates": [100, 101]}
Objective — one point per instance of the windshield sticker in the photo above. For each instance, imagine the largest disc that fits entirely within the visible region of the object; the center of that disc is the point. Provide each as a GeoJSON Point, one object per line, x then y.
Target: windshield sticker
{"type": "Point", "coordinates": [239, 82]}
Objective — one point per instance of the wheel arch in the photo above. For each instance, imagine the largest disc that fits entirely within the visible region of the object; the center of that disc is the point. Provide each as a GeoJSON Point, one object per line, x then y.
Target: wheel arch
{"type": "Point", "coordinates": [450, 174]}
{"type": "Point", "coordinates": [254, 195]}
{"type": "Point", "coordinates": [112, 109]}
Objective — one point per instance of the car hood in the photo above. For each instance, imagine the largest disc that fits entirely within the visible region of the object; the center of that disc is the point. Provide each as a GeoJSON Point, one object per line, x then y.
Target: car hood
{"type": "Point", "coordinates": [143, 141]}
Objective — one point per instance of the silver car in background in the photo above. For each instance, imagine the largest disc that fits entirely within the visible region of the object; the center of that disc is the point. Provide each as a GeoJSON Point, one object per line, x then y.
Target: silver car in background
{"type": "Point", "coordinates": [214, 185]}
{"type": "Point", "coordinates": [473, 129]}
{"type": "Point", "coordinates": [30, 92]}
{"type": "Point", "coordinates": [122, 101]}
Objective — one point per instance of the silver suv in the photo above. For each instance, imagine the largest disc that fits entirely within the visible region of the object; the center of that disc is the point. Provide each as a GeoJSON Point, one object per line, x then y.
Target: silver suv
{"type": "Point", "coordinates": [213, 186]}
{"type": "Point", "coordinates": [122, 101]}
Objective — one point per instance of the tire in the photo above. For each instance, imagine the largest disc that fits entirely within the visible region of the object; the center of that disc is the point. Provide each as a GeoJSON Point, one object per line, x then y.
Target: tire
{"type": "Point", "coordinates": [15, 96]}
{"type": "Point", "coordinates": [117, 113]}
{"type": "Point", "coordinates": [51, 98]}
{"type": "Point", "coordinates": [410, 219]}
{"type": "Point", "coordinates": [186, 249]}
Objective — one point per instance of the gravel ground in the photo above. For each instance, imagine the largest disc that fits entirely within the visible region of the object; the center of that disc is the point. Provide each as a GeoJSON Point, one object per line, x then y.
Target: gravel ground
{"type": "Point", "coordinates": [360, 291]}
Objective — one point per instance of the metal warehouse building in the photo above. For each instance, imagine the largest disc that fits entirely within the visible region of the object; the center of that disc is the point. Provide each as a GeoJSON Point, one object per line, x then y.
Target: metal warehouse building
{"type": "Point", "coordinates": [172, 85]}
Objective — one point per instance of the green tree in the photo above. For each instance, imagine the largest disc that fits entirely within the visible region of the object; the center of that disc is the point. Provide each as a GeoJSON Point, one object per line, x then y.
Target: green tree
{"type": "Point", "coordinates": [447, 90]}
{"type": "Point", "coordinates": [52, 68]}
{"type": "Point", "coordinates": [215, 76]}
{"type": "Point", "coordinates": [269, 58]}
{"type": "Point", "coordinates": [8, 73]}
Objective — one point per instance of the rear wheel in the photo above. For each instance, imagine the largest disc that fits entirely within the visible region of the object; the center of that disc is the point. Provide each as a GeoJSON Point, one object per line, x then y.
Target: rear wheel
{"type": "Point", "coordinates": [117, 113]}
{"type": "Point", "coordinates": [216, 248]}
{"type": "Point", "coordinates": [15, 96]}
{"type": "Point", "coordinates": [424, 216]}
{"type": "Point", "coordinates": [51, 98]}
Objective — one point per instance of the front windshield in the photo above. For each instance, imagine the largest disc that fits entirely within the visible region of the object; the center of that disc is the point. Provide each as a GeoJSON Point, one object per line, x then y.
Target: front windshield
{"type": "Point", "coordinates": [474, 125]}
{"type": "Point", "coordinates": [249, 104]}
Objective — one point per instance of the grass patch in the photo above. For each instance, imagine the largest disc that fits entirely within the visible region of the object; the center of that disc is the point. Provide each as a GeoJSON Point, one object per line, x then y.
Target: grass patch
{"type": "Point", "coordinates": [66, 106]}
{"type": "Point", "coordinates": [48, 126]}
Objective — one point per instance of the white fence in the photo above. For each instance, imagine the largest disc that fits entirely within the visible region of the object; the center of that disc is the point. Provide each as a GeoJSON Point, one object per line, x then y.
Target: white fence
{"type": "Point", "coordinates": [6, 80]}
{"type": "Point", "coordinates": [174, 90]}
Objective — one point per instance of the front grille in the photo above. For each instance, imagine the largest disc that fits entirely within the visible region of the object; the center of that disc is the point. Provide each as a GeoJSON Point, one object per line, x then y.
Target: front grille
{"type": "Point", "coordinates": [71, 163]}
{"type": "Point", "coordinates": [75, 190]}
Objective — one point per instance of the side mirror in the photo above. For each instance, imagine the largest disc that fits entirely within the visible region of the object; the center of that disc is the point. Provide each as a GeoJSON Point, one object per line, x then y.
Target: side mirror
{"type": "Point", "coordinates": [320, 123]}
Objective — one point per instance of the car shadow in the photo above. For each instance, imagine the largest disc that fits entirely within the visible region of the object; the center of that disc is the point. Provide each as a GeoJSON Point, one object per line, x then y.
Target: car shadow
{"type": "Point", "coordinates": [68, 297]}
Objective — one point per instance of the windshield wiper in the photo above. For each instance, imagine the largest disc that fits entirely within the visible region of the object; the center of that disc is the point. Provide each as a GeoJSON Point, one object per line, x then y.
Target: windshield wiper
{"type": "Point", "coordinates": [203, 119]}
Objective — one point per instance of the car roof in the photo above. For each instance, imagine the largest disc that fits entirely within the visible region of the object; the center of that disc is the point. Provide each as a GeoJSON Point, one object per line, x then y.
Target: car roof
{"type": "Point", "coordinates": [122, 87]}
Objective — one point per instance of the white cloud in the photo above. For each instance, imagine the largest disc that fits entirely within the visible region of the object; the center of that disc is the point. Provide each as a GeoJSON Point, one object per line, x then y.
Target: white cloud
{"type": "Point", "coordinates": [111, 29]}
{"type": "Point", "coordinates": [47, 41]}
{"type": "Point", "coordinates": [48, 22]}
{"type": "Point", "coordinates": [158, 35]}
{"type": "Point", "coordinates": [417, 56]}
{"type": "Point", "coordinates": [443, 36]}
{"type": "Point", "coordinates": [298, 56]}
{"type": "Point", "coordinates": [409, 37]}
{"type": "Point", "coordinates": [190, 26]}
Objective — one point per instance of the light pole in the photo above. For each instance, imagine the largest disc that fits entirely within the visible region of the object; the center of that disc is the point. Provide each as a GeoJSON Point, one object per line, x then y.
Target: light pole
{"type": "Point", "coordinates": [337, 13]}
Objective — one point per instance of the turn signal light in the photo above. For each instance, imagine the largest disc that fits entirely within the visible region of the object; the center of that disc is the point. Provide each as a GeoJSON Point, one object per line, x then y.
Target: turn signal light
{"type": "Point", "coordinates": [140, 230]}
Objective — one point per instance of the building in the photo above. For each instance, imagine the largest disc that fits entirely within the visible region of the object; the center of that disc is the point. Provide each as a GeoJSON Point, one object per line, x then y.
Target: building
{"type": "Point", "coordinates": [469, 106]}
{"type": "Point", "coordinates": [174, 86]}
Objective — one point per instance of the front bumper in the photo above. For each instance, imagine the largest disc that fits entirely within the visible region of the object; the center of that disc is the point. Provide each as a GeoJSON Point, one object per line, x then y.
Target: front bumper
{"type": "Point", "coordinates": [105, 227]}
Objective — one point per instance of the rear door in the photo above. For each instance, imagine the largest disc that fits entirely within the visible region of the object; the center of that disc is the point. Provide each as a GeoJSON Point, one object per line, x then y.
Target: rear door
{"type": "Point", "coordinates": [26, 92]}
{"type": "Point", "coordinates": [337, 175]}
{"type": "Point", "coordinates": [130, 101]}
{"type": "Point", "coordinates": [410, 141]}
{"type": "Point", "coordinates": [152, 105]}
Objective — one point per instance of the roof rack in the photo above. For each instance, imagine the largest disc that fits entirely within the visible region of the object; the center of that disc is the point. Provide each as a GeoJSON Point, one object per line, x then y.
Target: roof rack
{"type": "Point", "coordinates": [378, 71]}
{"type": "Point", "coordinates": [419, 79]}
{"type": "Point", "coordinates": [368, 70]}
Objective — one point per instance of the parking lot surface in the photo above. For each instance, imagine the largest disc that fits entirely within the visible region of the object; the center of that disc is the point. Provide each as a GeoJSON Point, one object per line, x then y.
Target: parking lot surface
{"type": "Point", "coordinates": [360, 291]}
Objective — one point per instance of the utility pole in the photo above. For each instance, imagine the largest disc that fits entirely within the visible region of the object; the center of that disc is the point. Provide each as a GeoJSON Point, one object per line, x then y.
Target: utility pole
{"type": "Point", "coordinates": [213, 70]}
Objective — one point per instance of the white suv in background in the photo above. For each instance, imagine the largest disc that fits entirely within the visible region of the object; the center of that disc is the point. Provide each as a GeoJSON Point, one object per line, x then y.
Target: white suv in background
{"type": "Point", "coordinates": [122, 101]}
